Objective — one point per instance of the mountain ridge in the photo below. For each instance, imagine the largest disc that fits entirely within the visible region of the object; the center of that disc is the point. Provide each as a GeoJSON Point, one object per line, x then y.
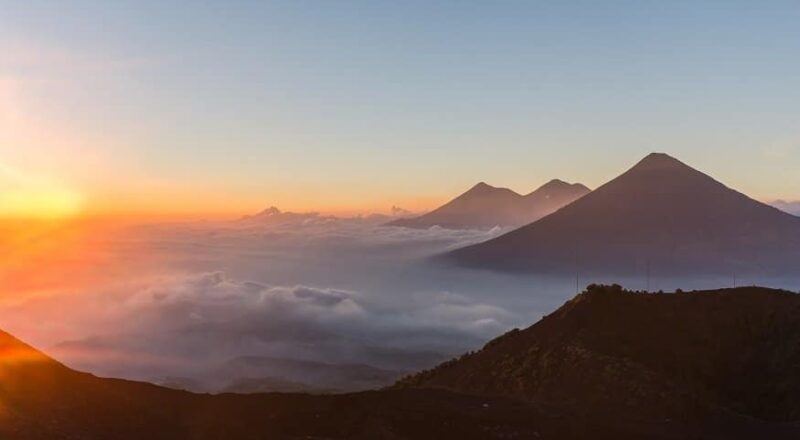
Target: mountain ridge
{"type": "Point", "coordinates": [660, 213]}
{"type": "Point", "coordinates": [486, 206]}
{"type": "Point", "coordinates": [646, 356]}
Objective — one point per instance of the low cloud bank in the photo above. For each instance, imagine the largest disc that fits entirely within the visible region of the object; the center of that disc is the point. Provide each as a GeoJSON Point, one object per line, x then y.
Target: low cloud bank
{"type": "Point", "coordinates": [190, 326]}
{"type": "Point", "coordinates": [276, 301]}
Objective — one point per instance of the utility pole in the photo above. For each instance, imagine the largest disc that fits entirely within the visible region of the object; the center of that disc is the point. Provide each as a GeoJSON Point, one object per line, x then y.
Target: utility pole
{"type": "Point", "coordinates": [648, 275]}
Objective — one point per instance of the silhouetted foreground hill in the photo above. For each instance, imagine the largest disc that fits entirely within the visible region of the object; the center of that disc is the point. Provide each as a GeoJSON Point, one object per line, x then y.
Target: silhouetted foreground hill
{"type": "Point", "coordinates": [661, 213]}
{"type": "Point", "coordinates": [690, 358]}
{"type": "Point", "coordinates": [485, 206]}
{"type": "Point", "coordinates": [41, 399]}
{"type": "Point", "coordinates": [607, 365]}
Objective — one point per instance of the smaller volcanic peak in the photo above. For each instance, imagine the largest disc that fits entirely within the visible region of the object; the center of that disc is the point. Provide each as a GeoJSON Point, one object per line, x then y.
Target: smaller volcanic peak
{"type": "Point", "coordinates": [558, 189]}
{"type": "Point", "coordinates": [557, 185]}
{"type": "Point", "coordinates": [487, 206]}
{"type": "Point", "coordinates": [483, 189]}
{"type": "Point", "coordinates": [482, 206]}
{"type": "Point", "coordinates": [555, 182]}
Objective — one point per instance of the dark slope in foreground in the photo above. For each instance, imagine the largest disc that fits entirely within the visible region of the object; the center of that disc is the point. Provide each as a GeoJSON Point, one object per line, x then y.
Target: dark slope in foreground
{"type": "Point", "coordinates": [695, 358]}
{"type": "Point", "coordinates": [607, 365]}
{"type": "Point", "coordinates": [41, 399]}
{"type": "Point", "coordinates": [485, 206]}
{"type": "Point", "coordinates": [660, 213]}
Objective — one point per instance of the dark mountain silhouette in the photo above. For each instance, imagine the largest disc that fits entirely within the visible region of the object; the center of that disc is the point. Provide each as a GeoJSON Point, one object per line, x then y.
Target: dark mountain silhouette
{"type": "Point", "coordinates": [608, 365]}
{"type": "Point", "coordinates": [712, 356]}
{"type": "Point", "coordinates": [660, 213]}
{"type": "Point", "coordinates": [40, 399]}
{"type": "Point", "coordinates": [485, 206]}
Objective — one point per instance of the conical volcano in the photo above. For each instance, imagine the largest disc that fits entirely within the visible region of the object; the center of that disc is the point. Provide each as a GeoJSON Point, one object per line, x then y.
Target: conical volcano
{"type": "Point", "coordinates": [660, 215]}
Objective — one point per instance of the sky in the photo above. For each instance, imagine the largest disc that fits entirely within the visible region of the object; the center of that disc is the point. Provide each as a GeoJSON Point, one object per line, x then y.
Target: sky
{"type": "Point", "coordinates": [199, 108]}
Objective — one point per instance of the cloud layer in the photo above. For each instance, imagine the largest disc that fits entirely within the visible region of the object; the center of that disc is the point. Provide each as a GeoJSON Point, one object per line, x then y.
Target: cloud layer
{"type": "Point", "coordinates": [287, 300]}
{"type": "Point", "coordinates": [189, 325]}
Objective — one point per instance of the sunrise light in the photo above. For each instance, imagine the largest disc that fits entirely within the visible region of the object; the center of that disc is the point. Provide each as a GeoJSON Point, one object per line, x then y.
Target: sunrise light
{"type": "Point", "coordinates": [40, 203]}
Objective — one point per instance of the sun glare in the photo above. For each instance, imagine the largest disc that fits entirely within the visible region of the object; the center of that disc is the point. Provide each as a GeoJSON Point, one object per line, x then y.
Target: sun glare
{"type": "Point", "coordinates": [40, 203]}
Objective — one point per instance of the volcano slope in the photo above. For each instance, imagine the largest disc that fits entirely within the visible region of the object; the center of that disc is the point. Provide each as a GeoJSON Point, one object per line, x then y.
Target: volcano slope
{"type": "Point", "coordinates": [41, 399]}
{"type": "Point", "coordinates": [661, 216]}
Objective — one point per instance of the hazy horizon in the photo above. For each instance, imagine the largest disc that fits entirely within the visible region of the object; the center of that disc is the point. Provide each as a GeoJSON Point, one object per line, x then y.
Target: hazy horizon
{"type": "Point", "coordinates": [54, 206]}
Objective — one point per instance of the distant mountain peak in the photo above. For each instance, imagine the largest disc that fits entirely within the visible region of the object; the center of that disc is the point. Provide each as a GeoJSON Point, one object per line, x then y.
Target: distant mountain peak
{"type": "Point", "coordinates": [559, 186]}
{"type": "Point", "coordinates": [486, 206]}
{"type": "Point", "coordinates": [272, 210]}
{"type": "Point", "coordinates": [482, 187]}
{"type": "Point", "coordinates": [555, 183]}
{"type": "Point", "coordinates": [482, 190]}
{"type": "Point", "coordinates": [659, 161]}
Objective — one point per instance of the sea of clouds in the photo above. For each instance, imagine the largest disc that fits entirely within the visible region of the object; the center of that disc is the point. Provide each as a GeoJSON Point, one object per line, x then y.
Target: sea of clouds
{"type": "Point", "coordinates": [337, 294]}
{"type": "Point", "coordinates": [283, 301]}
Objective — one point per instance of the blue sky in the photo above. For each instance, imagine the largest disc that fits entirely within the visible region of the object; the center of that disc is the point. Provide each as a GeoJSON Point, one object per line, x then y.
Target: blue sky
{"type": "Point", "coordinates": [358, 105]}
